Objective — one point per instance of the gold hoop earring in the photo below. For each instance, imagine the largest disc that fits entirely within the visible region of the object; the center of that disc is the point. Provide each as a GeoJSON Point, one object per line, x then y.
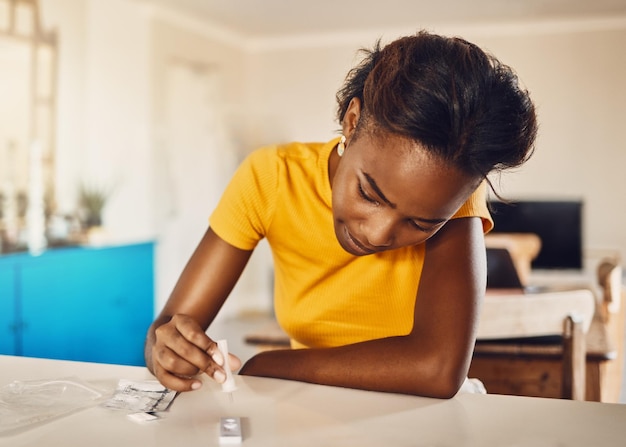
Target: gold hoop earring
{"type": "Point", "coordinates": [341, 146]}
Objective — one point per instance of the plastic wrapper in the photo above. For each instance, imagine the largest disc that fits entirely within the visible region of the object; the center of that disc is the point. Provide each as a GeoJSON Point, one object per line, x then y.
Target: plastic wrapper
{"type": "Point", "coordinates": [25, 404]}
{"type": "Point", "coordinates": [147, 396]}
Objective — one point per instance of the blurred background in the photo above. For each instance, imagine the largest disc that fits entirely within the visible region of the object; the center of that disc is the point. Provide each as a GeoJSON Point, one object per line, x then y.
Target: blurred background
{"type": "Point", "coordinates": [142, 109]}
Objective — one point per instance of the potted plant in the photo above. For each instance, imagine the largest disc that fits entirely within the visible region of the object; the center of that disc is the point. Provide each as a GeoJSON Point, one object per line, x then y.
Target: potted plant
{"type": "Point", "coordinates": [92, 200]}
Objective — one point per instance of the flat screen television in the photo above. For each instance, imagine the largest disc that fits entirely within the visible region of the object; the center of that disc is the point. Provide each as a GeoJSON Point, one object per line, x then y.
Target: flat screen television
{"type": "Point", "coordinates": [558, 223]}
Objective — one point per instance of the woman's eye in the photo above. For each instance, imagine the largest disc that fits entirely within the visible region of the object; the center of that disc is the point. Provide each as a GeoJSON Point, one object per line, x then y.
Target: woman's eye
{"type": "Point", "coordinates": [418, 226]}
{"type": "Point", "coordinates": [363, 194]}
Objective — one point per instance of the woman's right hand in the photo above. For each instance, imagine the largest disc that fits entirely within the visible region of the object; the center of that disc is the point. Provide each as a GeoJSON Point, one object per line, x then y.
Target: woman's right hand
{"type": "Point", "coordinates": [177, 347]}
{"type": "Point", "coordinates": [180, 350]}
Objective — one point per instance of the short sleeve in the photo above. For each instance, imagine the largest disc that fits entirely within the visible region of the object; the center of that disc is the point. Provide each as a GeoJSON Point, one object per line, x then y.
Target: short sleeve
{"type": "Point", "coordinates": [244, 211]}
{"type": "Point", "coordinates": [476, 206]}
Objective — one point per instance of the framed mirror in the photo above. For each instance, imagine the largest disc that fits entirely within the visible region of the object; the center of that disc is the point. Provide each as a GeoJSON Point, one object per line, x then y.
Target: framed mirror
{"type": "Point", "coordinates": [28, 66]}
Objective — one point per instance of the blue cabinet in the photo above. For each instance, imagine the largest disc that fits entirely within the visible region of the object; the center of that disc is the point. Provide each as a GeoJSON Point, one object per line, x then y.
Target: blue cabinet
{"type": "Point", "coordinates": [7, 309]}
{"type": "Point", "coordinates": [87, 304]}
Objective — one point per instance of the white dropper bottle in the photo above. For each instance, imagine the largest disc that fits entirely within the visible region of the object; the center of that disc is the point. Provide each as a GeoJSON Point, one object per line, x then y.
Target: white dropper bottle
{"type": "Point", "coordinates": [229, 385]}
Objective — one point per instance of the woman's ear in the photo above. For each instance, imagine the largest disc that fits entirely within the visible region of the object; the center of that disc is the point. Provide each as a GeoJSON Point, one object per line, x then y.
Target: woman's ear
{"type": "Point", "coordinates": [351, 117]}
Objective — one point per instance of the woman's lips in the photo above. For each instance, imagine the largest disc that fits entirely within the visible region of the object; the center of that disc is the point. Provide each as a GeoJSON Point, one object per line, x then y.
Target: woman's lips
{"type": "Point", "coordinates": [357, 246]}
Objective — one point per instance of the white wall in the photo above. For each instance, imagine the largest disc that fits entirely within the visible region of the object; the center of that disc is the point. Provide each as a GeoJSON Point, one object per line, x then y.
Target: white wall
{"type": "Point", "coordinates": [178, 43]}
{"type": "Point", "coordinates": [118, 114]}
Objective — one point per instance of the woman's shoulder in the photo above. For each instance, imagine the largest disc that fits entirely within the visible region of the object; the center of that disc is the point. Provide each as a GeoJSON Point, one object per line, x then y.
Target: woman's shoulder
{"type": "Point", "coordinates": [299, 151]}
{"type": "Point", "coordinates": [292, 154]}
{"type": "Point", "coordinates": [288, 151]}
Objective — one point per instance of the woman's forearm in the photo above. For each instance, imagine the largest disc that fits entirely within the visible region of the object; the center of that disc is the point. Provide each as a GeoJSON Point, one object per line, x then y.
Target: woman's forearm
{"type": "Point", "coordinates": [389, 365]}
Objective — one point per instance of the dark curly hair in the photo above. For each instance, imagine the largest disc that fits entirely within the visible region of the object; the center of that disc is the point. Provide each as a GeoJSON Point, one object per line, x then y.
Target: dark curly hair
{"type": "Point", "coordinates": [459, 102]}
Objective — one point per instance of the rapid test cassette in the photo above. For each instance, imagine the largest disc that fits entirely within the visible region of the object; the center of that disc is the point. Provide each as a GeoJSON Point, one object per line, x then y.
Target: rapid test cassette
{"type": "Point", "coordinates": [230, 430]}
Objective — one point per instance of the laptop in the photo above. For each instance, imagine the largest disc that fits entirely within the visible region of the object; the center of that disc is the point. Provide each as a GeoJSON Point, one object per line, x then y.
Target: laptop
{"type": "Point", "coordinates": [501, 271]}
{"type": "Point", "coordinates": [502, 274]}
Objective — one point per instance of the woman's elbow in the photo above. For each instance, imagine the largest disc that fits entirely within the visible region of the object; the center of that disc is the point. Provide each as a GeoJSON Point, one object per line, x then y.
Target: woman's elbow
{"type": "Point", "coordinates": [447, 388]}
{"type": "Point", "coordinates": [440, 381]}
{"type": "Point", "coordinates": [444, 387]}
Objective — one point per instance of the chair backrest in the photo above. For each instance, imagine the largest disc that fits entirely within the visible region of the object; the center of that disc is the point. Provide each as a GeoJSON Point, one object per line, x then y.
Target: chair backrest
{"type": "Point", "coordinates": [523, 247]}
{"type": "Point", "coordinates": [534, 315]}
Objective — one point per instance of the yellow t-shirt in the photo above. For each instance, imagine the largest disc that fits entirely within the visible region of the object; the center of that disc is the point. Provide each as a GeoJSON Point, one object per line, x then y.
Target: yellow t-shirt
{"type": "Point", "coordinates": [323, 295]}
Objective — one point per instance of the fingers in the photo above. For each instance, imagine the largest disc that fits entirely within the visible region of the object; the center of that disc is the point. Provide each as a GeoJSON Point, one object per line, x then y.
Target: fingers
{"type": "Point", "coordinates": [181, 350]}
{"type": "Point", "coordinates": [234, 362]}
{"type": "Point", "coordinates": [173, 381]}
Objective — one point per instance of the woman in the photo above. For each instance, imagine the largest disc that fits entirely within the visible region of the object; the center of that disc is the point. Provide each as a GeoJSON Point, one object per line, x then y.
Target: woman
{"type": "Point", "coordinates": [377, 237]}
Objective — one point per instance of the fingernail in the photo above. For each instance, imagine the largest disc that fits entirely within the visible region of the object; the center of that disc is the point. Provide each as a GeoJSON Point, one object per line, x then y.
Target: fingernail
{"type": "Point", "coordinates": [218, 357]}
{"type": "Point", "coordinates": [196, 385]}
{"type": "Point", "coordinates": [219, 376]}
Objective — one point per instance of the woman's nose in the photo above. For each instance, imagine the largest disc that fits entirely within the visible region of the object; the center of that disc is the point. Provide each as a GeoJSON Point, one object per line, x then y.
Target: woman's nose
{"type": "Point", "coordinates": [379, 232]}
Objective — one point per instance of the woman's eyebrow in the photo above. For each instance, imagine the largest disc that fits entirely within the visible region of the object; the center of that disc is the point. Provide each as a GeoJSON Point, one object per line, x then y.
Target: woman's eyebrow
{"type": "Point", "coordinates": [380, 194]}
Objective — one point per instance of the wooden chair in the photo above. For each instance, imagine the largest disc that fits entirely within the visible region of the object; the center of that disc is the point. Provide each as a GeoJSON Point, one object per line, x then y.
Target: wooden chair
{"type": "Point", "coordinates": [518, 334]}
{"type": "Point", "coordinates": [610, 281]}
{"type": "Point", "coordinates": [605, 341]}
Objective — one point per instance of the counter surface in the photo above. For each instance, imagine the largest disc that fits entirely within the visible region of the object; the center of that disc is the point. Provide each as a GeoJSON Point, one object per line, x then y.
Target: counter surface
{"type": "Point", "coordinates": [286, 413]}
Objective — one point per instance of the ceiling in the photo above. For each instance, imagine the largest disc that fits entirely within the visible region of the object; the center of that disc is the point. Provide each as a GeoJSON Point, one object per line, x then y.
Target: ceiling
{"type": "Point", "coordinates": [251, 19]}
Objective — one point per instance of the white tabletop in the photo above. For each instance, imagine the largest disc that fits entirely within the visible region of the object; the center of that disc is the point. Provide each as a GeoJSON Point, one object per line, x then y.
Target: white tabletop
{"type": "Point", "coordinates": [285, 413]}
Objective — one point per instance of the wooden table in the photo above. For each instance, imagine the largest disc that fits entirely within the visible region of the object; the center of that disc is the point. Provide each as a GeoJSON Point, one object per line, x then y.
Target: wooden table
{"type": "Point", "coordinates": [523, 372]}
{"type": "Point", "coordinates": [286, 413]}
